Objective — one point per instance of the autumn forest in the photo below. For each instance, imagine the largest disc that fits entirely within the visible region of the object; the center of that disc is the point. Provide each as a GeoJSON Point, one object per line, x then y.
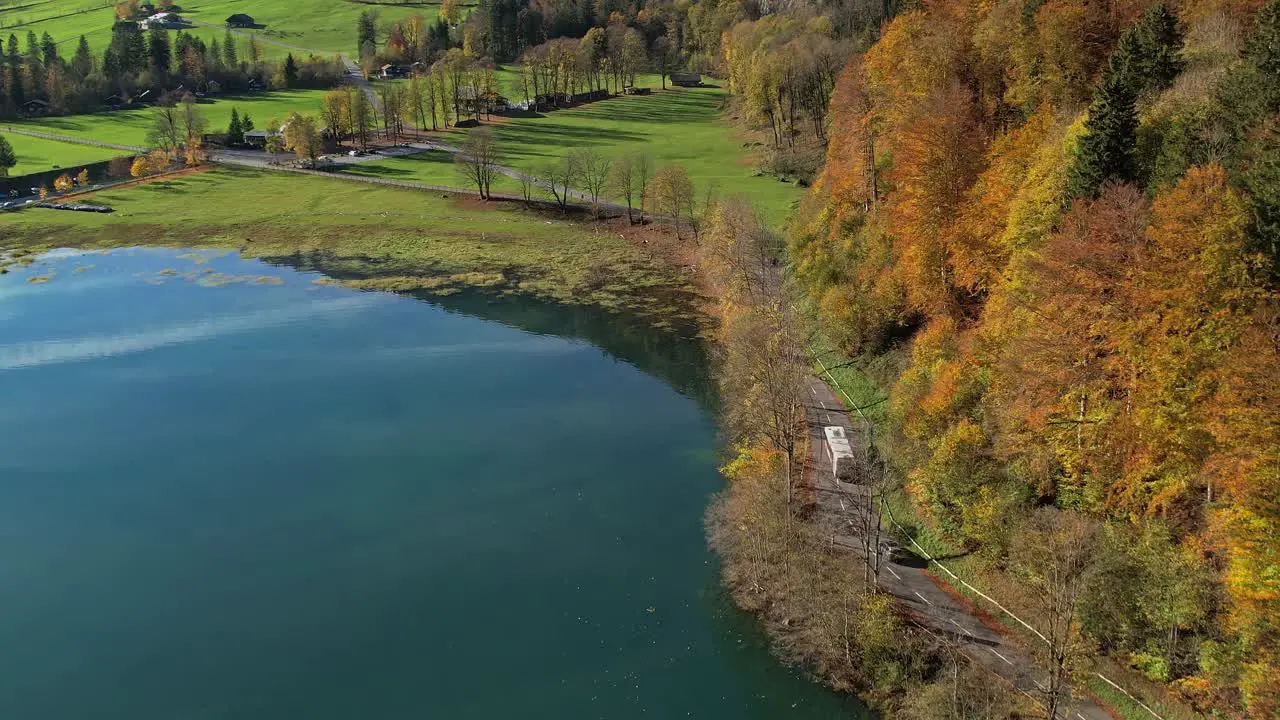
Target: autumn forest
{"type": "Point", "coordinates": [1053, 226]}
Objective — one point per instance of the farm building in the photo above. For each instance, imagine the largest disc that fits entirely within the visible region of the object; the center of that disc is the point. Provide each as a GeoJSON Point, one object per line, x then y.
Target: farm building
{"type": "Point", "coordinates": [258, 138]}
{"type": "Point", "coordinates": [35, 108]}
{"type": "Point", "coordinates": [686, 79]}
{"type": "Point", "coordinates": [164, 20]}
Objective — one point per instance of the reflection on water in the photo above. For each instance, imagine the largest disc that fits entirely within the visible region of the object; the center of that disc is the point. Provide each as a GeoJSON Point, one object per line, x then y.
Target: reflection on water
{"type": "Point", "coordinates": [281, 499]}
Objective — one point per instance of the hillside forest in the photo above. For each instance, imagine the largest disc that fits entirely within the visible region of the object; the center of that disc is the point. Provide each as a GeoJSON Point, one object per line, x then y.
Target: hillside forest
{"type": "Point", "coordinates": [1049, 228]}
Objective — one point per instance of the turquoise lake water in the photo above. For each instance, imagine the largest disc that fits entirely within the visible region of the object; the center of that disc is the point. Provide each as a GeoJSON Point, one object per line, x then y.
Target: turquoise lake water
{"type": "Point", "coordinates": [229, 491]}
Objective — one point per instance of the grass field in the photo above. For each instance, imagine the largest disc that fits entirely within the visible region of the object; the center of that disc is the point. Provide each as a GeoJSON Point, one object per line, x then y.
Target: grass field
{"type": "Point", "coordinates": [674, 126]}
{"type": "Point", "coordinates": [387, 238]}
{"type": "Point", "coordinates": [326, 26]}
{"type": "Point", "coordinates": [130, 127]}
{"type": "Point", "coordinates": [36, 155]}
{"type": "Point", "coordinates": [433, 167]}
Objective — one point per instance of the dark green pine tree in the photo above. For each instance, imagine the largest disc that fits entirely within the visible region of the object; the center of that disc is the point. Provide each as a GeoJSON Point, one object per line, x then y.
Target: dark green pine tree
{"type": "Point", "coordinates": [229, 52]}
{"type": "Point", "coordinates": [130, 48]}
{"type": "Point", "coordinates": [1149, 54]}
{"type": "Point", "coordinates": [1262, 179]}
{"type": "Point", "coordinates": [235, 132]}
{"type": "Point", "coordinates": [48, 50]}
{"type": "Point", "coordinates": [290, 71]}
{"type": "Point", "coordinates": [1106, 150]}
{"type": "Point", "coordinates": [366, 32]}
{"type": "Point", "coordinates": [1262, 47]}
{"type": "Point", "coordinates": [7, 157]}
{"type": "Point", "coordinates": [159, 52]}
{"type": "Point", "coordinates": [1162, 45]}
{"type": "Point", "coordinates": [82, 63]}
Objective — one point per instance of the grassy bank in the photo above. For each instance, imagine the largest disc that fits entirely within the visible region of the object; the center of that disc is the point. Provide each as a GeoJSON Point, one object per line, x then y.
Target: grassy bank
{"type": "Point", "coordinates": [373, 237]}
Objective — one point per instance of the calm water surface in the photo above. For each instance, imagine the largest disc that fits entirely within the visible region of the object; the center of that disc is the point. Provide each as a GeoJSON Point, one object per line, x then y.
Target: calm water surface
{"type": "Point", "coordinates": [228, 491]}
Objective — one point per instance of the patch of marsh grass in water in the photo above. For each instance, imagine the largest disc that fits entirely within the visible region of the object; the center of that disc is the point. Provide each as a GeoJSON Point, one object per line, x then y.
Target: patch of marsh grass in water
{"type": "Point", "coordinates": [217, 279]}
{"type": "Point", "coordinates": [39, 279]}
{"type": "Point", "coordinates": [203, 256]}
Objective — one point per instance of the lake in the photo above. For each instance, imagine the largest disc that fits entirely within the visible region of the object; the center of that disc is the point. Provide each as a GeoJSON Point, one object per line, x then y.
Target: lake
{"type": "Point", "coordinates": [229, 489]}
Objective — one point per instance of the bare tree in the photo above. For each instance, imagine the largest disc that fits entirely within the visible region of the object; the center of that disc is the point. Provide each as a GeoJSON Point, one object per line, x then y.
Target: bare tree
{"type": "Point", "coordinates": [593, 174]}
{"type": "Point", "coordinates": [764, 376]}
{"type": "Point", "coordinates": [644, 173]}
{"type": "Point", "coordinates": [166, 130]}
{"type": "Point", "coordinates": [560, 178]}
{"type": "Point", "coordinates": [673, 193]}
{"type": "Point", "coordinates": [479, 159]}
{"type": "Point", "coordinates": [1054, 552]}
{"type": "Point", "coordinates": [527, 184]}
{"type": "Point", "coordinates": [624, 180]}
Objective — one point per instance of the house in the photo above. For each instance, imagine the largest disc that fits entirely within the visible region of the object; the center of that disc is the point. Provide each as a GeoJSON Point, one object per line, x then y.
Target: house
{"type": "Point", "coordinates": [393, 71]}
{"type": "Point", "coordinates": [255, 84]}
{"type": "Point", "coordinates": [636, 91]}
{"type": "Point", "coordinates": [164, 20]}
{"type": "Point", "coordinates": [686, 79]}
{"type": "Point", "coordinates": [258, 138]}
{"type": "Point", "coordinates": [240, 20]}
{"type": "Point", "coordinates": [144, 96]}
{"type": "Point", "coordinates": [35, 108]}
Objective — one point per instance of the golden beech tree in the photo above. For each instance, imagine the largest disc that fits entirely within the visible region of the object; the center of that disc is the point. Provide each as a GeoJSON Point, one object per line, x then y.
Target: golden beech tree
{"type": "Point", "coordinates": [934, 164]}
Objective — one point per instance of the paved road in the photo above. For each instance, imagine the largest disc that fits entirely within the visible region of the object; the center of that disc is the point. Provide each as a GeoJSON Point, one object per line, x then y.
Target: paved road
{"type": "Point", "coordinates": [903, 577]}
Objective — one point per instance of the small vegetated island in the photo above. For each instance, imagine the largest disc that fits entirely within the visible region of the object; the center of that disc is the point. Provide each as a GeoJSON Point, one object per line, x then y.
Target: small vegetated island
{"type": "Point", "coordinates": [1023, 254]}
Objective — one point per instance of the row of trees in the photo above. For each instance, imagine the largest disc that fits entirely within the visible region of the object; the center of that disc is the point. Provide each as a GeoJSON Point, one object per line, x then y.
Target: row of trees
{"type": "Point", "coordinates": [783, 67]}
{"type": "Point", "coordinates": [821, 605]}
{"type": "Point", "coordinates": [38, 80]}
{"type": "Point", "coordinates": [589, 175]}
{"type": "Point", "coordinates": [602, 61]}
{"type": "Point", "coordinates": [1059, 223]}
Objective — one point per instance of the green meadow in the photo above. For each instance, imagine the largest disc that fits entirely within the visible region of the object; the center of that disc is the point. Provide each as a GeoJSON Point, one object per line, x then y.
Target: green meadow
{"type": "Point", "coordinates": [37, 155]}
{"type": "Point", "coordinates": [433, 167]}
{"type": "Point", "coordinates": [130, 127]}
{"type": "Point", "coordinates": [375, 237]}
{"type": "Point", "coordinates": [673, 126]}
{"type": "Point", "coordinates": [324, 26]}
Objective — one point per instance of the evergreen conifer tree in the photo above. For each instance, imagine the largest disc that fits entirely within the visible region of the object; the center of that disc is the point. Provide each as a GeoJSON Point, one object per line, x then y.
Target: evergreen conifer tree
{"type": "Point", "coordinates": [229, 51]}
{"type": "Point", "coordinates": [7, 157]}
{"type": "Point", "coordinates": [1105, 151]}
{"type": "Point", "coordinates": [1148, 55]}
{"type": "Point", "coordinates": [235, 132]}
{"type": "Point", "coordinates": [82, 63]}
{"type": "Point", "coordinates": [290, 71]}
